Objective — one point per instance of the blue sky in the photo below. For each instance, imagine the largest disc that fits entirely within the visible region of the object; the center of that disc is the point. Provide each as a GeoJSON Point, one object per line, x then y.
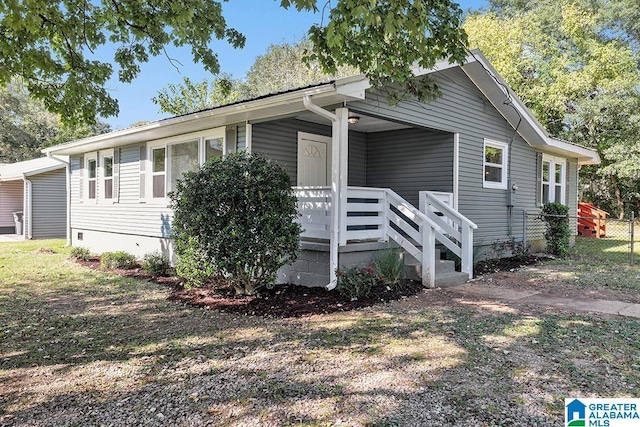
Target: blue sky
{"type": "Point", "coordinates": [263, 22]}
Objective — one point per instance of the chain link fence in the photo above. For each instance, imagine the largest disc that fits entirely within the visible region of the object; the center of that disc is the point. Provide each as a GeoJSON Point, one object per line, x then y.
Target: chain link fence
{"type": "Point", "coordinates": [604, 239]}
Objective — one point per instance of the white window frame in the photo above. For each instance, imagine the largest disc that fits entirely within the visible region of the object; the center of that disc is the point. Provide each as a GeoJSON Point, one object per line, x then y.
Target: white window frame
{"type": "Point", "coordinates": [553, 161]}
{"type": "Point", "coordinates": [87, 158]}
{"type": "Point", "coordinates": [102, 177]}
{"type": "Point", "coordinates": [502, 185]}
{"type": "Point", "coordinates": [165, 143]}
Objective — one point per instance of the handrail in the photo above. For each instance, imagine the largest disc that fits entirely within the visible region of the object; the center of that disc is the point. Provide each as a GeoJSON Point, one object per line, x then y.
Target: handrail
{"type": "Point", "coordinates": [427, 221]}
{"type": "Point", "coordinates": [444, 207]}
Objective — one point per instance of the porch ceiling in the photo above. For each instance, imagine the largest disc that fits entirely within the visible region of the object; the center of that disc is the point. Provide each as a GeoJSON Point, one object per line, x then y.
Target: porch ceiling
{"type": "Point", "coordinates": [366, 124]}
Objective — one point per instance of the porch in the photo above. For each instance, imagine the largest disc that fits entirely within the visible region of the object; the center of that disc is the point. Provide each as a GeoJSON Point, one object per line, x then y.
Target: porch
{"type": "Point", "coordinates": [375, 218]}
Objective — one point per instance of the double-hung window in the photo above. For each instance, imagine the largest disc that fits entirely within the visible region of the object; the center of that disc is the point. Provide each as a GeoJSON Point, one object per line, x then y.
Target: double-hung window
{"type": "Point", "coordinates": [495, 164]}
{"type": "Point", "coordinates": [92, 176]}
{"type": "Point", "coordinates": [107, 175]}
{"type": "Point", "coordinates": [169, 159]}
{"type": "Point", "coordinates": [554, 170]}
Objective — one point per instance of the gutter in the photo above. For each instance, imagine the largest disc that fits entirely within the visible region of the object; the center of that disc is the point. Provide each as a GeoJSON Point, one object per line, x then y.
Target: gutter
{"type": "Point", "coordinates": [27, 232]}
{"type": "Point", "coordinates": [335, 179]}
{"type": "Point", "coordinates": [67, 165]}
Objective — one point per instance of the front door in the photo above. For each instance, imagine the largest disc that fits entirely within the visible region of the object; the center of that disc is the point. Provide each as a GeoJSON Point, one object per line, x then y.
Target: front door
{"type": "Point", "coordinates": [313, 160]}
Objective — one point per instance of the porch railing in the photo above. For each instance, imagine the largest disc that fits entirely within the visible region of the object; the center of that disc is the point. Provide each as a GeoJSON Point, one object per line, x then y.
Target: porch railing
{"type": "Point", "coordinates": [379, 214]}
{"type": "Point", "coordinates": [455, 231]}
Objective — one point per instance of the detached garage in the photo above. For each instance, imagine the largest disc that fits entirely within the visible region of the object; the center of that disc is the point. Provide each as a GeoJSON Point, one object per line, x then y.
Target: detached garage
{"type": "Point", "coordinates": [33, 198]}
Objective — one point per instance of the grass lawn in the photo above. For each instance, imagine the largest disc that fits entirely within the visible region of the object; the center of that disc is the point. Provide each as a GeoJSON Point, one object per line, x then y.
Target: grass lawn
{"type": "Point", "coordinates": [80, 347]}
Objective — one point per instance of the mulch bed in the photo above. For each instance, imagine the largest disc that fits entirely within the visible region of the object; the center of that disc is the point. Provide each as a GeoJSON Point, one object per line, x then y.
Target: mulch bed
{"type": "Point", "coordinates": [288, 300]}
{"type": "Point", "coordinates": [278, 301]}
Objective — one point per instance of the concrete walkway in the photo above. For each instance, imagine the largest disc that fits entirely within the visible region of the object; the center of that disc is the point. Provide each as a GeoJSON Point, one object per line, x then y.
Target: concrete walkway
{"type": "Point", "coordinates": [532, 297]}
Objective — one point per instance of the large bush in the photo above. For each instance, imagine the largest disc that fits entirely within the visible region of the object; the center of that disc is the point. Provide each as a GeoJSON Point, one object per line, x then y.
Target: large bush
{"type": "Point", "coordinates": [558, 231]}
{"type": "Point", "coordinates": [234, 219]}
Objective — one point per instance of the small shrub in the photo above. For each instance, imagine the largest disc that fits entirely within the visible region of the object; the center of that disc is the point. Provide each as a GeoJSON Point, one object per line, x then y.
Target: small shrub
{"type": "Point", "coordinates": [356, 282]}
{"type": "Point", "coordinates": [558, 232]}
{"type": "Point", "coordinates": [156, 264]}
{"type": "Point", "coordinates": [80, 253]}
{"type": "Point", "coordinates": [389, 265]}
{"type": "Point", "coordinates": [118, 259]}
{"type": "Point", "coordinates": [193, 267]}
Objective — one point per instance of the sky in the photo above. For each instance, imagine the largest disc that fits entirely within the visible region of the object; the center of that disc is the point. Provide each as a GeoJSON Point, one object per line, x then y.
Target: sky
{"type": "Point", "coordinates": [263, 22]}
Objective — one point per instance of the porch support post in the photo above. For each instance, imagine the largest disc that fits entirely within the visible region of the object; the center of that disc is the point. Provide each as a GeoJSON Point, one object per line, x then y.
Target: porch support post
{"type": "Point", "coordinates": [335, 187]}
{"type": "Point", "coordinates": [341, 146]}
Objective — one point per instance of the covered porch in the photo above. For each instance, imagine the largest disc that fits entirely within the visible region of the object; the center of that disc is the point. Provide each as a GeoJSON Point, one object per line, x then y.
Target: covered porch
{"type": "Point", "coordinates": [366, 182]}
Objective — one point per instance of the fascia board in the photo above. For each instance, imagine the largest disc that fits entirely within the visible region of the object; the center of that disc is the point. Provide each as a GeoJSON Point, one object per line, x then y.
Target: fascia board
{"type": "Point", "coordinates": [163, 128]}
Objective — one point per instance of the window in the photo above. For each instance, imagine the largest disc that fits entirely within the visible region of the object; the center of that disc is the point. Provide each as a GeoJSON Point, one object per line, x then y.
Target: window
{"type": "Point", "coordinates": [108, 176]}
{"type": "Point", "coordinates": [495, 164]}
{"type": "Point", "coordinates": [183, 157]}
{"type": "Point", "coordinates": [169, 159]}
{"type": "Point", "coordinates": [213, 148]}
{"type": "Point", "coordinates": [553, 179]}
{"type": "Point", "coordinates": [158, 171]}
{"type": "Point", "coordinates": [92, 169]}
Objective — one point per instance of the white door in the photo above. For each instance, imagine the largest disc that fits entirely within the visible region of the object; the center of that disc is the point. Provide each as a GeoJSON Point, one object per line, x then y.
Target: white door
{"type": "Point", "coordinates": [313, 160]}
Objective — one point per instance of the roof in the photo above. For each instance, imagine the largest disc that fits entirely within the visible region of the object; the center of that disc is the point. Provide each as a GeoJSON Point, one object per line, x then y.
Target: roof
{"type": "Point", "coordinates": [19, 170]}
{"type": "Point", "coordinates": [334, 92]}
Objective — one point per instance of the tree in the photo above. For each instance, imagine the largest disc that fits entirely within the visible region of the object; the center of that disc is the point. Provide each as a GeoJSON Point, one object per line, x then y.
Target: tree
{"type": "Point", "coordinates": [284, 67]}
{"type": "Point", "coordinates": [188, 96]}
{"type": "Point", "coordinates": [569, 63]}
{"type": "Point", "coordinates": [234, 222]}
{"type": "Point", "coordinates": [26, 127]}
{"type": "Point", "coordinates": [51, 44]}
{"type": "Point", "coordinates": [280, 68]}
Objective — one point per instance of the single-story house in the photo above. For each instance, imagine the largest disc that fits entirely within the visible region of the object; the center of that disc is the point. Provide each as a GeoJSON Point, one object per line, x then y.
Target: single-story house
{"type": "Point", "coordinates": [33, 198]}
{"type": "Point", "coordinates": [449, 176]}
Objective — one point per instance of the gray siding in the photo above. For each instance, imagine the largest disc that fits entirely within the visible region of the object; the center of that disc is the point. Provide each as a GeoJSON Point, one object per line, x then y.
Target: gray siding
{"type": "Point", "coordinates": [279, 141]}
{"type": "Point", "coordinates": [409, 161]}
{"type": "Point", "coordinates": [463, 109]}
{"type": "Point", "coordinates": [130, 215]}
{"type": "Point", "coordinates": [11, 200]}
{"type": "Point", "coordinates": [49, 205]}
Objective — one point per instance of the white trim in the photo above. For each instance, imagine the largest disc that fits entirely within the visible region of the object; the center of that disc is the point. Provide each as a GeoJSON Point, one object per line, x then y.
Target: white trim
{"type": "Point", "coordinates": [553, 162]}
{"type": "Point", "coordinates": [502, 185]}
{"type": "Point", "coordinates": [166, 143]}
{"type": "Point", "coordinates": [456, 169]}
{"type": "Point", "coordinates": [101, 175]}
{"type": "Point", "coordinates": [342, 126]}
{"type": "Point", "coordinates": [88, 157]}
{"type": "Point", "coordinates": [248, 137]}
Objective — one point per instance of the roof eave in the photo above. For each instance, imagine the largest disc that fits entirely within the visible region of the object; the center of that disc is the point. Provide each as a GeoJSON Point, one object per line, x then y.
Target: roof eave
{"type": "Point", "coordinates": [348, 88]}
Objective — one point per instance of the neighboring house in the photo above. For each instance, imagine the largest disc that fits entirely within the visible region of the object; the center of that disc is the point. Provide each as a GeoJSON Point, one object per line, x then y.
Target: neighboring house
{"type": "Point", "coordinates": [451, 175]}
{"type": "Point", "coordinates": [34, 191]}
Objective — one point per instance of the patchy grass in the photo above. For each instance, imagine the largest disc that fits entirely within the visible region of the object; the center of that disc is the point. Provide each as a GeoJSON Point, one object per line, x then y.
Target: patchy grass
{"type": "Point", "coordinates": [86, 347]}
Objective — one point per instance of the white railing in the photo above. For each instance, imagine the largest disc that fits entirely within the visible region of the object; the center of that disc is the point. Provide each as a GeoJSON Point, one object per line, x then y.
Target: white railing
{"type": "Point", "coordinates": [314, 206]}
{"type": "Point", "coordinates": [455, 231]}
{"type": "Point", "coordinates": [379, 214]}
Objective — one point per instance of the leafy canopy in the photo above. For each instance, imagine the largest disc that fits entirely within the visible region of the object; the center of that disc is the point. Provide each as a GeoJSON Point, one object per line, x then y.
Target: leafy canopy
{"type": "Point", "coordinates": [575, 64]}
{"type": "Point", "coordinates": [26, 126]}
{"type": "Point", "coordinates": [52, 44]}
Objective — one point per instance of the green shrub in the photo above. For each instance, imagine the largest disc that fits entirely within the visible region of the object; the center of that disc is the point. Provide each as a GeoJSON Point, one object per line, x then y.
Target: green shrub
{"type": "Point", "coordinates": [235, 217]}
{"type": "Point", "coordinates": [356, 282]}
{"type": "Point", "coordinates": [193, 267]}
{"type": "Point", "coordinates": [156, 264]}
{"type": "Point", "coordinates": [389, 264]}
{"type": "Point", "coordinates": [558, 233]}
{"type": "Point", "coordinates": [118, 259]}
{"type": "Point", "coordinates": [80, 253]}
